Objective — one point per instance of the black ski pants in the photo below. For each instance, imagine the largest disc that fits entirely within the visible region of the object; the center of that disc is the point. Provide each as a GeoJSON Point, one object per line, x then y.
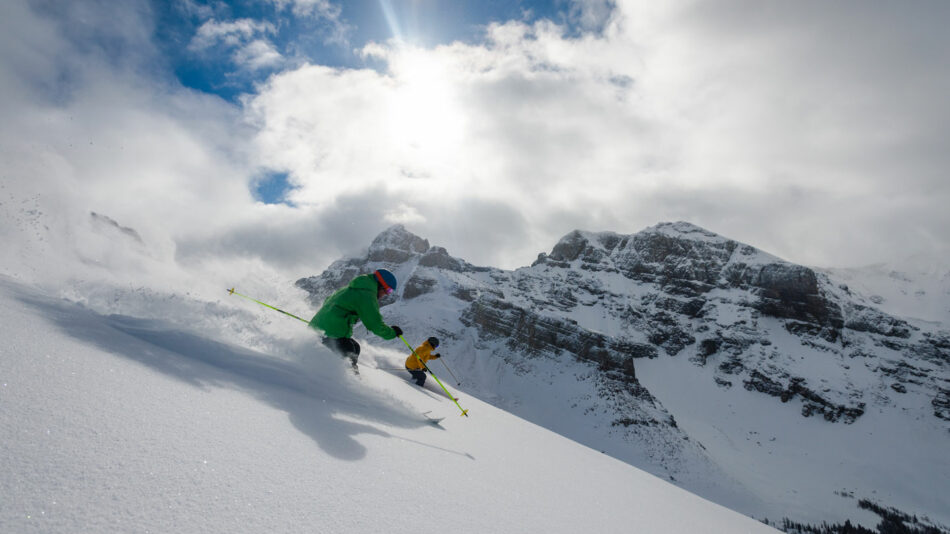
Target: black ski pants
{"type": "Point", "coordinates": [418, 376]}
{"type": "Point", "coordinates": [344, 346]}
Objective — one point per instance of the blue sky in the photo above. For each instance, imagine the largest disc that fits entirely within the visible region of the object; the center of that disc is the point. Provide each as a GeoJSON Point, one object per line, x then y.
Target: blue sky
{"type": "Point", "coordinates": [291, 132]}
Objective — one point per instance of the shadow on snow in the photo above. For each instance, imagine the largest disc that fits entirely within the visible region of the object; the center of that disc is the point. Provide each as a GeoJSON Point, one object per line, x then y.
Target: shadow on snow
{"type": "Point", "coordinates": [321, 400]}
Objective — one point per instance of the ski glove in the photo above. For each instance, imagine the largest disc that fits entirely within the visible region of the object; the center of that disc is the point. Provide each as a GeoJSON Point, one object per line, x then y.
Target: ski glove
{"type": "Point", "coordinates": [436, 355]}
{"type": "Point", "coordinates": [397, 330]}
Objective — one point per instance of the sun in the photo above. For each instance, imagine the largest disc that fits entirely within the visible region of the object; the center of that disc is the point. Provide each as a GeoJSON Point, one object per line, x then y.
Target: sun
{"type": "Point", "coordinates": [426, 116]}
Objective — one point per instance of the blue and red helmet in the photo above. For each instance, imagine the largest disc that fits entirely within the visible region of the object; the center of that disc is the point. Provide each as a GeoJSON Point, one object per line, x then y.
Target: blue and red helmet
{"type": "Point", "coordinates": [385, 279]}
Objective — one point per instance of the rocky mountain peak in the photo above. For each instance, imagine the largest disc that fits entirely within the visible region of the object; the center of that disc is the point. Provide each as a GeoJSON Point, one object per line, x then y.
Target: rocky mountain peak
{"type": "Point", "coordinates": [687, 261]}
{"type": "Point", "coordinates": [396, 245]}
{"type": "Point", "coordinates": [581, 244]}
{"type": "Point", "coordinates": [672, 250]}
{"type": "Point", "coordinates": [685, 230]}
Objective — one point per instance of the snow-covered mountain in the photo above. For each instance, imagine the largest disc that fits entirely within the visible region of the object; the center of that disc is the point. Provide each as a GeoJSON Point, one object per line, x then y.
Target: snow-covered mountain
{"type": "Point", "coordinates": [772, 388]}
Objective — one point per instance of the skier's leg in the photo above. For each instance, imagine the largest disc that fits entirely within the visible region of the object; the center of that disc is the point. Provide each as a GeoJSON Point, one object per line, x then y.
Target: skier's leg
{"type": "Point", "coordinates": [418, 376]}
{"type": "Point", "coordinates": [344, 346]}
{"type": "Point", "coordinates": [333, 343]}
{"type": "Point", "coordinates": [351, 350]}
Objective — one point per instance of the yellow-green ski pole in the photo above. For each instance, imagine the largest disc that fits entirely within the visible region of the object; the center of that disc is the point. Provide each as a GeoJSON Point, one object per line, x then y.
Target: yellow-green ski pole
{"type": "Point", "coordinates": [464, 412]}
{"type": "Point", "coordinates": [233, 292]}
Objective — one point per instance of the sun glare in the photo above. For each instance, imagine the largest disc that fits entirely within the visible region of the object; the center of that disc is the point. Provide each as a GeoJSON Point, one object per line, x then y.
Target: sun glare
{"type": "Point", "coordinates": [425, 113]}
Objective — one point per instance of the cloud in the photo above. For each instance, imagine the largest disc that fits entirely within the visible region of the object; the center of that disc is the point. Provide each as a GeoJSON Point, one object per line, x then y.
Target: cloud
{"type": "Point", "coordinates": [769, 124]}
{"type": "Point", "coordinates": [244, 37]}
{"type": "Point", "coordinates": [312, 8]}
{"type": "Point", "coordinates": [87, 128]}
{"type": "Point", "coordinates": [323, 11]}
{"type": "Point", "coordinates": [258, 54]}
{"type": "Point", "coordinates": [193, 8]}
{"type": "Point", "coordinates": [251, 42]}
{"type": "Point", "coordinates": [234, 33]}
{"type": "Point", "coordinates": [519, 125]}
{"type": "Point", "coordinates": [592, 15]}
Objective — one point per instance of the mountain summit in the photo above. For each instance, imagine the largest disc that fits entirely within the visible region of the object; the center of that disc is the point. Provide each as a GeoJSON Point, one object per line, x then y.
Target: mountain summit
{"type": "Point", "coordinates": [396, 245]}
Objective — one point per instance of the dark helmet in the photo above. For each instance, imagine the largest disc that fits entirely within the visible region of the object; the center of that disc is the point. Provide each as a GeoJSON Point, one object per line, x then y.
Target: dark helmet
{"type": "Point", "coordinates": [385, 279]}
{"type": "Point", "coordinates": [434, 341]}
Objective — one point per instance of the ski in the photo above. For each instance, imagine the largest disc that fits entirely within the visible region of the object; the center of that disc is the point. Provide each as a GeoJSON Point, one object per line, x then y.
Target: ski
{"type": "Point", "coordinates": [432, 420]}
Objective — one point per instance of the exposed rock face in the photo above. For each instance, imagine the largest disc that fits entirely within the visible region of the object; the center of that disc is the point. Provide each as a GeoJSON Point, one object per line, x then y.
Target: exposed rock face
{"type": "Point", "coordinates": [528, 332]}
{"type": "Point", "coordinates": [792, 292]}
{"type": "Point", "coordinates": [812, 402]}
{"type": "Point", "coordinates": [686, 260]}
{"type": "Point", "coordinates": [864, 319]}
{"type": "Point", "coordinates": [418, 285]}
{"type": "Point", "coordinates": [439, 258]}
{"type": "Point", "coordinates": [941, 404]}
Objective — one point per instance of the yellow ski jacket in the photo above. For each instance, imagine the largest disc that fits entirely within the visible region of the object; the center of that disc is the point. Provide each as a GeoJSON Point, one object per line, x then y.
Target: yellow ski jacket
{"type": "Point", "coordinates": [424, 352]}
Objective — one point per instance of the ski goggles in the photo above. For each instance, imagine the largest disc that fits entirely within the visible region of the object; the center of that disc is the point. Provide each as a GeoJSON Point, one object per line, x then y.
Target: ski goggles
{"type": "Point", "coordinates": [379, 278]}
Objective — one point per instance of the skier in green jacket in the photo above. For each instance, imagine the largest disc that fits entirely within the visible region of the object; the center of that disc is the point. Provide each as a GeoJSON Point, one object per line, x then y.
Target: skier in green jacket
{"type": "Point", "coordinates": [358, 301]}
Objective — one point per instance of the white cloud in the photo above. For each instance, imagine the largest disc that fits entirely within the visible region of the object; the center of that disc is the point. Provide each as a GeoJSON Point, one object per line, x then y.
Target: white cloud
{"type": "Point", "coordinates": [592, 15]}
{"type": "Point", "coordinates": [84, 131]}
{"type": "Point", "coordinates": [336, 29]}
{"type": "Point", "coordinates": [523, 124]}
{"type": "Point", "coordinates": [251, 50]}
{"type": "Point", "coordinates": [193, 8]}
{"type": "Point", "coordinates": [311, 8]}
{"type": "Point", "coordinates": [769, 124]}
{"type": "Point", "coordinates": [258, 54]}
{"type": "Point", "coordinates": [231, 33]}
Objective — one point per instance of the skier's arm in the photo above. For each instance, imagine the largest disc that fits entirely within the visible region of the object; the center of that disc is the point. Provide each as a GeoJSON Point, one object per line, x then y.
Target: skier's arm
{"type": "Point", "coordinates": [372, 319]}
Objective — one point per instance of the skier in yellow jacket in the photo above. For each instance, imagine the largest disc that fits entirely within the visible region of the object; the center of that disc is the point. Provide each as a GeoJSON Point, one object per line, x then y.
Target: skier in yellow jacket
{"type": "Point", "coordinates": [418, 368]}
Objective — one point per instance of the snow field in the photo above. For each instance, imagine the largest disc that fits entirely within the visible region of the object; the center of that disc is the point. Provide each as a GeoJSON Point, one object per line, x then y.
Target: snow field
{"type": "Point", "coordinates": [117, 424]}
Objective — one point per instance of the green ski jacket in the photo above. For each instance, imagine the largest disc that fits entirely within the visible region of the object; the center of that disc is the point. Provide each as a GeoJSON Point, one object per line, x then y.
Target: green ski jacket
{"type": "Point", "coordinates": [355, 302]}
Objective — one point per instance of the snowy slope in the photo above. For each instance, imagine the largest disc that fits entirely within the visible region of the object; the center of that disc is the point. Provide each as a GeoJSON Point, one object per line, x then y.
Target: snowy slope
{"type": "Point", "coordinates": [113, 423]}
{"type": "Point", "coordinates": [806, 467]}
{"type": "Point", "coordinates": [916, 288]}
